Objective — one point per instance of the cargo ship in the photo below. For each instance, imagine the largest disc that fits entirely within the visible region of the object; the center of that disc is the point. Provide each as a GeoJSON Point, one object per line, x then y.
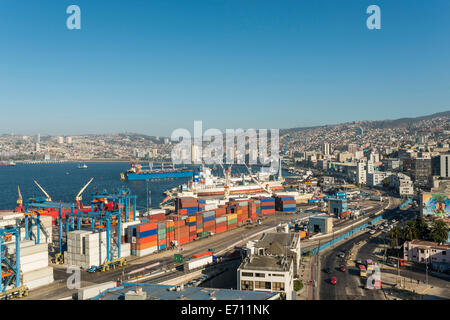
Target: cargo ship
{"type": "Point", "coordinates": [7, 164]}
{"type": "Point", "coordinates": [137, 172]}
{"type": "Point", "coordinates": [205, 184]}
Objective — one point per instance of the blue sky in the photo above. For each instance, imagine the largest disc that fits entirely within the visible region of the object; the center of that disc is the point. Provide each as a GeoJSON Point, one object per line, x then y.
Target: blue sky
{"type": "Point", "coordinates": [154, 66]}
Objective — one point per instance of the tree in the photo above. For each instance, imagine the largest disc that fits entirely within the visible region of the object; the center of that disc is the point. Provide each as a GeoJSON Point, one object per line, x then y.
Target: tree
{"type": "Point", "coordinates": [439, 231]}
{"type": "Point", "coordinates": [423, 232]}
{"type": "Point", "coordinates": [394, 235]}
{"type": "Point", "coordinates": [409, 232]}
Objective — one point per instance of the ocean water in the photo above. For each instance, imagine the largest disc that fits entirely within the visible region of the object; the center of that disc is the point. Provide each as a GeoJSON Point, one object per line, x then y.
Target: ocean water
{"type": "Point", "coordinates": [62, 181]}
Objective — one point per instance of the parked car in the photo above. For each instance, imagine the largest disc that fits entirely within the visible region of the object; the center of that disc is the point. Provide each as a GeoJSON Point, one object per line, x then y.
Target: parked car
{"type": "Point", "coordinates": [372, 232]}
{"type": "Point", "coordinates": [343, 268]}
{"type": "Point", "coordinates": [333, 280]}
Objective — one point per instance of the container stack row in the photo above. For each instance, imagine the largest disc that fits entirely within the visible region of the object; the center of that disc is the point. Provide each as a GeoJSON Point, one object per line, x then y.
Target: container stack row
{"type": "Point", "coordinates": [86, 249]}
{"type": "Point", "coordinates": [285, 204]}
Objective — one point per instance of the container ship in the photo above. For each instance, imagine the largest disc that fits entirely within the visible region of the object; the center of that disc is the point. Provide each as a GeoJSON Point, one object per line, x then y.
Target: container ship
{"type": "Point", "coordinates": [137, 172]}
{"type": "Point", "coordinates": [205, 184]}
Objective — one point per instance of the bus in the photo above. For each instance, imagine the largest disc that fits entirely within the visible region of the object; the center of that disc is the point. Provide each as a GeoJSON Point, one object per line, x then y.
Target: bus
{"type": "Point", "coordinates": [369, 265]}
{"type": "Point", "coordinates": [362, 270]}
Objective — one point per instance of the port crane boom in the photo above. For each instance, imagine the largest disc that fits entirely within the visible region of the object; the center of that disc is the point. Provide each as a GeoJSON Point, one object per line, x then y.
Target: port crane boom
{"type": "Point", "coordinates": [49, 199]}
{"type": "Point", "coordinates": [79, 195]}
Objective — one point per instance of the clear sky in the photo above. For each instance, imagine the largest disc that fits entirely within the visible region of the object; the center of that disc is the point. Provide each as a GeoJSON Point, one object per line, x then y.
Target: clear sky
{"type": "Point", "coordinates": [153, 66]}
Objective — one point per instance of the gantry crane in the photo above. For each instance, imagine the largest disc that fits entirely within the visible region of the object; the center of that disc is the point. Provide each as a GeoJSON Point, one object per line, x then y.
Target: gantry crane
{"type": "Point", "coordinates": [11, 266]}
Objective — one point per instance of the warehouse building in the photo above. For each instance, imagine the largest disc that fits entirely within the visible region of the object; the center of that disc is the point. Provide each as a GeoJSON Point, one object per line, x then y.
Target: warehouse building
{"type": "Point", "coordinates": [337, 206]}
{"type": "Point", "coordinates": [131, 291]}
{"type": "Point", "coordinates": [320, 224]}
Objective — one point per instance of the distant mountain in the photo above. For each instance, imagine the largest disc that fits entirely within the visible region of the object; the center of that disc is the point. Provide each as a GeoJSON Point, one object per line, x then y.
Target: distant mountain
{"type": "Point", "coordinates": [381, 124]}
{"type": "Point", "coordinates": [406, 122]}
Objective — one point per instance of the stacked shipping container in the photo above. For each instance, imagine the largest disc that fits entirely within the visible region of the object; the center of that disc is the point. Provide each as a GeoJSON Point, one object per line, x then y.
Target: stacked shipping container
{"type": "Point", "coordinates": [285, 204]}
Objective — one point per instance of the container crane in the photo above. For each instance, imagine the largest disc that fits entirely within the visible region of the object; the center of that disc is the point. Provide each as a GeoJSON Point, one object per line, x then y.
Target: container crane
{"type": "Point", "coordinates": [19, 200]}
{"type": "Point", "coordinates": [265, 188]}
{"type": "Point", "coordinates": [48, 199]}
{"type": "Point", "coordinates": [282, 157]}
{"type": "Point", "coordinates": [79, 197]}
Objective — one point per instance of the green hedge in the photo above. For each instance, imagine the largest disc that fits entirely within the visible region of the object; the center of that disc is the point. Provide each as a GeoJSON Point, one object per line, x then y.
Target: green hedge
{"type": "Point", "coordinates": [298, 285]}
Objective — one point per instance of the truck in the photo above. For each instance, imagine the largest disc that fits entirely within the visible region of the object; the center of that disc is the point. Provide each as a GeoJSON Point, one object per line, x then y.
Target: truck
{"type": "Point", "coordinates": [198, 263]}
{"type": "Point", "coordinates": [108, 265]}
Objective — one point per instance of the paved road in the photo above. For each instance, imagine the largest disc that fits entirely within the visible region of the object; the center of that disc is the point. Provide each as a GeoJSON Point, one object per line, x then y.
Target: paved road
{"type": "Point", "coordinates": [350, 285]}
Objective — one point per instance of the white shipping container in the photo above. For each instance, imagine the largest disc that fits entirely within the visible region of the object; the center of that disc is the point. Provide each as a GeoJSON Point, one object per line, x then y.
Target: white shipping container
{"type": "Point", "coordinates": [39, 282]}
{"type": "Point", "coordinates": [145, 252]}
{"type": "Point", "coordinates": [92, 291]}
{"type": "Point", "coordinates": [37, 274]}
{"type": "Point", "coordinates": [200, 262]}
{"type": "Point", "coordinates": [33, 265]}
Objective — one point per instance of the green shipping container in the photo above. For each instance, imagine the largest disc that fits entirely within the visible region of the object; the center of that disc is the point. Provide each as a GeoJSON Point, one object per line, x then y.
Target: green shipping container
{"type": "Point", "coordinates": [233, 221]}
{"type": "Point", "coordinates": [178, 258]}
{"type": "Point", "coordinates": [161, 236]}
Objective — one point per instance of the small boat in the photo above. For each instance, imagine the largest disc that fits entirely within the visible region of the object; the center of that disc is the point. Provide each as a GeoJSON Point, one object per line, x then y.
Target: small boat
{"type": "Point", "coordinates": [84, 166]}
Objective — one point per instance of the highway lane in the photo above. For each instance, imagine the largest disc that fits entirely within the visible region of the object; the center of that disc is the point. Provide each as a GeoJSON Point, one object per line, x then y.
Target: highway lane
{"type": "Point", "coordinates": [349, 285]}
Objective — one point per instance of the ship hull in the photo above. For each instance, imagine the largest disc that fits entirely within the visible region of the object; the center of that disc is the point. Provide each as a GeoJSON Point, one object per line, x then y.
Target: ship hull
{"type": "Point", "coordinates": [220, 192]}
{"type": "Point", "coordinates": [159, 175]}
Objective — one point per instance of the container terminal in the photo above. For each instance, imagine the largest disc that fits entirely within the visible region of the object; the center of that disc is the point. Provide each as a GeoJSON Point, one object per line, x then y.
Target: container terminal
{"type": "Point", "coordinates": [42, 237]}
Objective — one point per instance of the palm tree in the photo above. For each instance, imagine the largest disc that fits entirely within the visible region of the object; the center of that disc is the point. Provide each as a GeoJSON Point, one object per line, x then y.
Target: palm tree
{"type": "Point", "coordinates": [439, 231]}
{"type": "Point", "coordinates": [409, 232]}
{"type": "Point", "coordinates": [423, 232]}
{"type": "Point", "coordinates": [394, 235]}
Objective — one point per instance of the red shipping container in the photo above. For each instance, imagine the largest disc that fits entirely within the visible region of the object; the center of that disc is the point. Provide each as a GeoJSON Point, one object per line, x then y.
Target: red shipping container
{"type": "Point", "coordinates": [142, 246]}
{"type": "Point", "coordinates": [147, 239]}
{"type": "Point", "coordinates": [145, 227]}
{"type": "Point", "coordinates": [203, 254]}
{"type": "Point", "coordinates": [221, 229]}
{"type": "Point", "coordinates": [289, 202]}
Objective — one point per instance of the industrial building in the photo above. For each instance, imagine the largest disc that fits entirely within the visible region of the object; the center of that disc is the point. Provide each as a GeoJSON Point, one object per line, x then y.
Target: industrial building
{"type": "Point", "coordinates": [322, 224]}
{"type": "Point", "coordinates": [131, 291]}
{"type": "Point", "coordinates": [337, 206]}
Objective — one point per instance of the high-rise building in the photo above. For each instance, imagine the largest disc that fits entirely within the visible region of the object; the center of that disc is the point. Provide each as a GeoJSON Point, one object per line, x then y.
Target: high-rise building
{"type": "Point", "coordinates": [440, 165]}
{"type": "Point", "coordinates": [38, 138]}
{"type": "Point", "coordinates": [370, 168]}
{"type": "Point", "coordinates": [69, 140]}
{"type": "Point", "coordinates": [326, 149]}
{"type": "Point", "coordinates": [60, 140]}
{"type": "Point", "coordinates": [361, 172]}
{"type": "Point", "coordinates": [420, 170]}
